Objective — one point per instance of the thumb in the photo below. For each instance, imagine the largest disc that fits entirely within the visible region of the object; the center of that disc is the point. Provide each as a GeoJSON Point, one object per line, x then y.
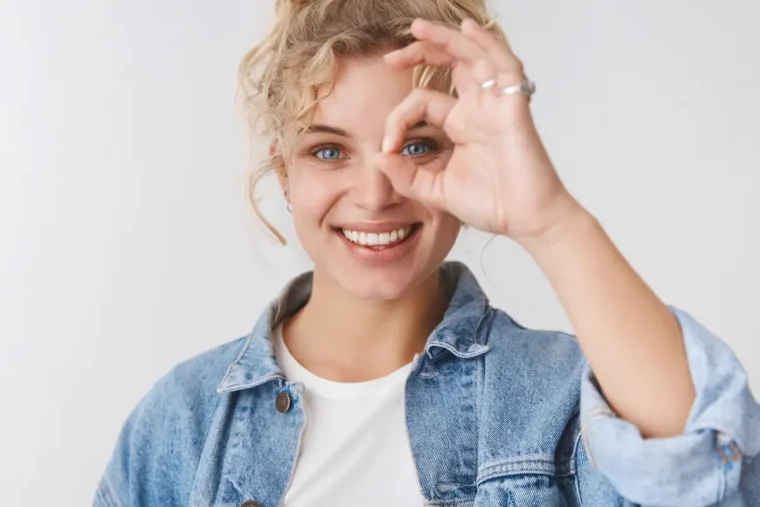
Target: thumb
{"type": "Point", "coordinates": [412, 181]}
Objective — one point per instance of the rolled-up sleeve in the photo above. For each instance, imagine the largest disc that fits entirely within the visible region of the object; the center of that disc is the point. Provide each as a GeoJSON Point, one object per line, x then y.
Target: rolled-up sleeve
{"type": "Point", "coordinates": [714, 462]}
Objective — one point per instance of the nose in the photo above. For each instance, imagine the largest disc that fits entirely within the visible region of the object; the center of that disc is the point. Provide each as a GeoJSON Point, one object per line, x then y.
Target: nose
{"type": "Point", "coordinates": [373, 190]}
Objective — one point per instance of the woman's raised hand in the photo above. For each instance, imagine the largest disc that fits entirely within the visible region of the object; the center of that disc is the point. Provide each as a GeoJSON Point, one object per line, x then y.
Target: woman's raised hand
{"type": "Point", "coordinates": [499, 177]}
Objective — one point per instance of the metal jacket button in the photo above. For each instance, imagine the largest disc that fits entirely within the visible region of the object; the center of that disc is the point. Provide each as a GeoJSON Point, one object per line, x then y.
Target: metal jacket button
{"type": "Point", "coordinates": [283, 402]}
{"type": "Point", "coordinates": [250, 503]}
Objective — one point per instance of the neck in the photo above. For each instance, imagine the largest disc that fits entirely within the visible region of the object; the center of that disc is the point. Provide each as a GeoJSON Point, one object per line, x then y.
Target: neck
{"type": "Point", "coordinates": [344, 338]}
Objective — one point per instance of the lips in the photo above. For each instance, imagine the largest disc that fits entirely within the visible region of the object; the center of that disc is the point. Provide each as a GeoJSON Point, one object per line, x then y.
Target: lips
{"type": "Point", "coordinates": [379, 244]}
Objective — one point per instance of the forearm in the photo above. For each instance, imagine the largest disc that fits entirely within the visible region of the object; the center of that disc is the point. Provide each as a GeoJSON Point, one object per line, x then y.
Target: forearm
{"type": "Point", "coordinates": [632, 341]}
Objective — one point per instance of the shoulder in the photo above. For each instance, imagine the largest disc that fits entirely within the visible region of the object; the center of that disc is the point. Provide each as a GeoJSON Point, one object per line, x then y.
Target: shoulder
{"type": "Point", "coordinates": [532, 375]}
{"type": "Point", "coordinates": [553, 354]}
{"type": "Point", "coordinates": [193, 383]}
{"type": "Point", "coordinates": [187, 395]}
{"type": "Point", "coordinates": [162, 440]}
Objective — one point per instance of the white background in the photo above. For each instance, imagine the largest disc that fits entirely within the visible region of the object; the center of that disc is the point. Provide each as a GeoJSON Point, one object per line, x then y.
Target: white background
{"type": "Point", "coordinates": [126, 244]}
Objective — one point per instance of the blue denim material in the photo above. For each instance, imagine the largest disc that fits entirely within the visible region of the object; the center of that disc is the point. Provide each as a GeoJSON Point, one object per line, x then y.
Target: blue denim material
{"type": "Point", "coordinates": [497, 415]}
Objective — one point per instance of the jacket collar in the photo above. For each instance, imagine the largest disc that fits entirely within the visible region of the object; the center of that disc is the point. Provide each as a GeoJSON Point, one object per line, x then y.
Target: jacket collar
{"type": "Point", "coordinates": [460, 332]}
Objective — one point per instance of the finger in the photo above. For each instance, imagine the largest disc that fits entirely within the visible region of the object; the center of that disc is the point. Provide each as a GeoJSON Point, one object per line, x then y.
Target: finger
{"type": "Point", "coordinates": [453, 41]}
{"type": "Point", "coordinates": [413, 181]}
{"type": "Point", "coordinates": [466, 77]}
{"type": "Point", "coordinates": [499, 51]}
{"type": "Point", "coordinates": [422, 104]}
{"type": "Point", "coordinates": [483, 74]}
{"type": "Point", "coordinates": [420, 53]}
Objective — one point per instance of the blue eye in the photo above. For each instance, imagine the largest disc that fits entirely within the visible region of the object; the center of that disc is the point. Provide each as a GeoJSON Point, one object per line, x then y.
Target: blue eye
{"type": "Point", "coordinates": [416, 149]}
{"type": "Point", "coordinates": [328, 153]}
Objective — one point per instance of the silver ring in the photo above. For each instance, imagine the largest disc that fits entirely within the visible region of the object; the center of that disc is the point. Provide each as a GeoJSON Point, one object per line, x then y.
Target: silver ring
{"type": "Point", "coordinates": [488, 83]}
{"type": "Point", "coordinates": [527, 87]}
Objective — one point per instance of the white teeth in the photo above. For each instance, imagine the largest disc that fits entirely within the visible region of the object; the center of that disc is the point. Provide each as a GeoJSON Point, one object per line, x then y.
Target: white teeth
{"type": "Point", "coordinates": [377, 239]}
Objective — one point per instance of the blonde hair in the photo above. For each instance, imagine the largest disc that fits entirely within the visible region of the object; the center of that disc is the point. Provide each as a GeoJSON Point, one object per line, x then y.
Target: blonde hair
{"type": "Point", "coordinates": [280, 77]}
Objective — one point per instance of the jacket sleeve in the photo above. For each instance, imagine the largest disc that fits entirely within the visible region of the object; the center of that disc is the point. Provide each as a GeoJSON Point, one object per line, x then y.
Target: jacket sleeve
{"type": "Point", "coordinates": [123, 482]}
{"type": "Point", "coordinates": [147, 463]}
{"type": "Point", "coordinates": [158, 449]}
{"type": "Point", "coordinates": [714, 462]}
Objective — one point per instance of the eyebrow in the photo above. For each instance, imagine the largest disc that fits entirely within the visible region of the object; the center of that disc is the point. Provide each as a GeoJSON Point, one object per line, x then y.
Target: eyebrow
{"type": "Point", "coordinates": [318, 128]}
{"type": "Point", "coordinates": [326, 129]}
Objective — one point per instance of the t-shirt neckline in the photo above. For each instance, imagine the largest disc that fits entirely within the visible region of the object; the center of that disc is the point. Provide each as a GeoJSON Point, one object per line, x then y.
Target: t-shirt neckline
{"type": "Point", "coordinates": [296, 372]}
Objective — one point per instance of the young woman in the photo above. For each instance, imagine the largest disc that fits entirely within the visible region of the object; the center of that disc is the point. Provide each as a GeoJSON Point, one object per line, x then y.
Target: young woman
{"type": "Point", "coordinates": [384, 377]}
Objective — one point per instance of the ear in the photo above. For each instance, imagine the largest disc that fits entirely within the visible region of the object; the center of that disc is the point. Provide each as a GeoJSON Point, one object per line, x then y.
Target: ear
{"type": "Point", "coordinates": [278, 164]}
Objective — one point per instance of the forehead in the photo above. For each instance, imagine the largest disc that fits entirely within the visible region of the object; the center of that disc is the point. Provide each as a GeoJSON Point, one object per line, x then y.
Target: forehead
{"type": "Point", "coordinates": [365, 91]}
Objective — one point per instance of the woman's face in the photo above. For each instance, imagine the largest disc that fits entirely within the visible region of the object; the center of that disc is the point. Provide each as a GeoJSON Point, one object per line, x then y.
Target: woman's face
{"type": "Point", "coordinates": [359, 232]}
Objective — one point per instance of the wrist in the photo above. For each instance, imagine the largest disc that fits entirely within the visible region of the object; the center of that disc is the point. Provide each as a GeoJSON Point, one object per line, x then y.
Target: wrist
{"type": "Point", "coordinates": [569, 222]}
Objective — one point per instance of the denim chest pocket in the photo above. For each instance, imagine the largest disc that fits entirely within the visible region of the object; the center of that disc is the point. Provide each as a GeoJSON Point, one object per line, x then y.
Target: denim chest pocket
{"type": "Point", "coordinates": [526, 483]}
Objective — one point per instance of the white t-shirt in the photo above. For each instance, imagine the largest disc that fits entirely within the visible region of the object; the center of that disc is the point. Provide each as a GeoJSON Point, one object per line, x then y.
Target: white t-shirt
{"type": "Point", "coordinates": [355, 448]}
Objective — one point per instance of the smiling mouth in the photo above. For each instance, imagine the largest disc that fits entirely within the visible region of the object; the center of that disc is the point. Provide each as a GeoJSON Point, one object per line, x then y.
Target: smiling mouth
{"type": "Point", "coordinates": [379, 240]}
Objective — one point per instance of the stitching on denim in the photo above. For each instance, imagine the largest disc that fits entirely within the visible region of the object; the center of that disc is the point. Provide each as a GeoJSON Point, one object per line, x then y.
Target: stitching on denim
{"type": "Point", "coordinates": [586, 446]}
{"type": "Point", "coordinates": [722, 477]}
{"type": "Point", "coordinates": [449, 502]}
{"type": "Point", "coordinates": [234, 484]}
{"type": "Point", "coordinates": [260, 381]}
{"type": "Point", "coordinates": [483, 311]}
{"type": "Point", "coordinates": [578, 442]}
{"type": "Point", "coordinates": [102, 499]}
{"type": "Point", "coordinates": [479, 373]}
{"type": "Point", "coordinates": [205, 441]}
{"type": "Point", "coordinates": [457, 353]}
{"type": "Point", "coordinates": [235, 362]}
{"type": "Point", "coordinates": [526, 465]}
{"type": "Point", "coordinates": [110, 496]}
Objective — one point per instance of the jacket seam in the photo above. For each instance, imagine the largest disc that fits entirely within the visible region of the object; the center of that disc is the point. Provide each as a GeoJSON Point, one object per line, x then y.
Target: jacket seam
{"type": "Point", "coordinates": [539, 466]}
{"type": "Point", "coordinates": [483, 313]}
{"type": "Point", "coordinates": [578, 443]}
{"type": "Point", "coordinates": [205, 440]}
{"type": "Point", "coordinates": [584, 423]}
{"type": "Point", "coordinates": [234, 363]}
{"type": "Point", "coordinates": [109, 493]}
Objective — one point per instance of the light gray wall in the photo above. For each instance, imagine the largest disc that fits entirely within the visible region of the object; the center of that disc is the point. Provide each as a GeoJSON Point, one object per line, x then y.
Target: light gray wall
{"type": "Point", "coordinates": [126, 246]}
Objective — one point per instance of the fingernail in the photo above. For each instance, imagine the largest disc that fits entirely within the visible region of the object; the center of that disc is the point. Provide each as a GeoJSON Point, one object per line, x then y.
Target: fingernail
{"type": "Point", "coordinates": [386, 146]}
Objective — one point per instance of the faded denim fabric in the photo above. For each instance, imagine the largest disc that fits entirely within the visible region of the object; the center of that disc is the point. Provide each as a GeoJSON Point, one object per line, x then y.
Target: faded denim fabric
{"type": "Point", "coordinates": [497, 415]}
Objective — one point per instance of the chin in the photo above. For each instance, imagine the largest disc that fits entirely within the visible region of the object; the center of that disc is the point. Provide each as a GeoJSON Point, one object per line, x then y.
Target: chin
{"type": "Point", "coordinates": [388, 283]}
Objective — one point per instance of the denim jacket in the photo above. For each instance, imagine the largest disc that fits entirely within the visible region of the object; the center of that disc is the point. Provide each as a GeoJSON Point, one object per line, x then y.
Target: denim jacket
{"type": "Point", "coordinates": [497, 414]}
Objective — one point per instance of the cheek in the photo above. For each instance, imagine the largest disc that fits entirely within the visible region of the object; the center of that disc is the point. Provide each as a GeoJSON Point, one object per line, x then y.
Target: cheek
{"type": "Point", "coordinates": [443, 232]}
{"type": "Point", "coordinates": [448, 229]}
{"type": "Point", "coordinates": [312, 195]}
